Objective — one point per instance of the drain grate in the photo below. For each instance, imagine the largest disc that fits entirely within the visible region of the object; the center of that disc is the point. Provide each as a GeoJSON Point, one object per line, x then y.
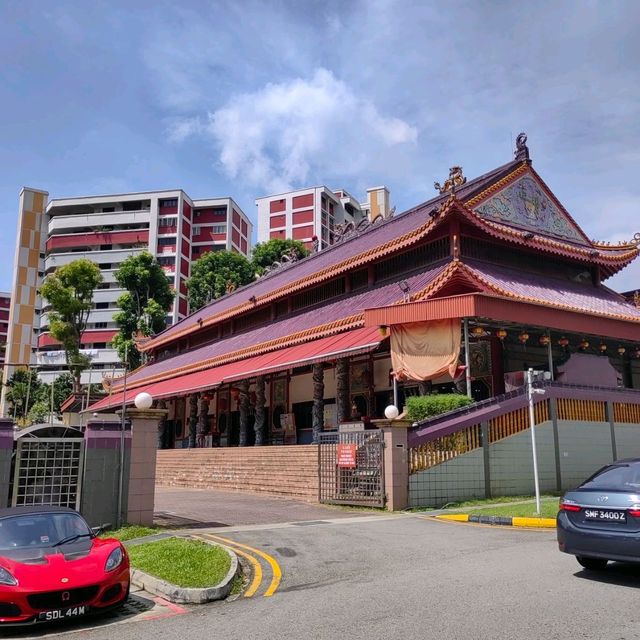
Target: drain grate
{"type": "Point", "coordinates": [309, 523]}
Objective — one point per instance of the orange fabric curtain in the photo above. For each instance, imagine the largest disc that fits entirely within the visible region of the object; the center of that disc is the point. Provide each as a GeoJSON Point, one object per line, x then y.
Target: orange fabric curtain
{"type": "Point", "coordinates": [425, 350]}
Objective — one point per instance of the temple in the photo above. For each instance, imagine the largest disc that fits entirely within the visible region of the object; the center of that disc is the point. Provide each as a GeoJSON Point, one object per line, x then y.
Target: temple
{"type": "Point", "coordinates": [461, 293]}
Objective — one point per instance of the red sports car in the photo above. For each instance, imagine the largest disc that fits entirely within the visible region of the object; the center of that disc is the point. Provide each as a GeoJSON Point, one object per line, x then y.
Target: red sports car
{"type": "Point", "coordinates": [53, 567]}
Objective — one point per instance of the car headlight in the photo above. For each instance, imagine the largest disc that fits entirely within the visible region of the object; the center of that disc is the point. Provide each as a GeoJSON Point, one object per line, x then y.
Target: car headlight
{"type": "Point", "coordinates": [7, 578]}
{"type": "Point", "coordinates": [114, 560]}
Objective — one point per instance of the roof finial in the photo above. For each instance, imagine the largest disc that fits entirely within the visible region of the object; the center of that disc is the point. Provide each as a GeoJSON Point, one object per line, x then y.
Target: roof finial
{"type": "Point", "coordinates": [456, 179]}
{"type": "Point", "coordinates": [522, 151]}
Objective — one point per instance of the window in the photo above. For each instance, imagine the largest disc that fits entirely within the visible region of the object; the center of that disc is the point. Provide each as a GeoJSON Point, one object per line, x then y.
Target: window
{"type": "Point", "coordinates": [167, 222]}
{"type": "Point", "coordinates": [108, 209]}
{"type": "Point", "coordinates": [102, 305]}
{"type": "Point", "coordinates": [219, 228]}
{"type": "Point", "coordinates": [132, 206]}
{"type": "Point", "coordinates": [196, 230]}
{"type": "Point", "coordinates": [100, 325]}
{"type": "Point", "coordinates": [173, 202]}
{"type": "Point", "coordinates": [166, 262]}
{"type": "Point", "coordinates": [166, 242]}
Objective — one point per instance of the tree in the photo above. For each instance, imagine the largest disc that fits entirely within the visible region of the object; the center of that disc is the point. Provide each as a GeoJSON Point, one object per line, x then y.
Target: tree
{"type": "Point", "coordinates": [144, 306]}
{"type": "Point", "coordinates": [69, 291]}
{"type": "Point", "coordinates": [23, 389]}
{"type": "Point", "coordinates": [217, 273]}
{"type": "Point", "coordinates": [266, 253]}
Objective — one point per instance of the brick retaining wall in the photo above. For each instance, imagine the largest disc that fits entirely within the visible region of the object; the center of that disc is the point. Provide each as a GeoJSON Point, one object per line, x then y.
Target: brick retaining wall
{"type": "Point", "coordinates": [284, 471]}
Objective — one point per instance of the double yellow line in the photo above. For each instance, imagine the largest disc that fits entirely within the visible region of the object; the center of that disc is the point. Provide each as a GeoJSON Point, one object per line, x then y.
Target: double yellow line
{"type": "Point", "coordinates": [250, 553]}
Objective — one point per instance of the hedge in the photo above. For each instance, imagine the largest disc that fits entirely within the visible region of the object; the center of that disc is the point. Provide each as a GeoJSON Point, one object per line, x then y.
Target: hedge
{"type": "Point", "coordinates": [421, 407]}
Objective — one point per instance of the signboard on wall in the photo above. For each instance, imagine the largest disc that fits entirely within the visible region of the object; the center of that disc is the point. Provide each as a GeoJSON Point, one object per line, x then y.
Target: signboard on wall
{"type": "Point", "coordinates": [346, 456]}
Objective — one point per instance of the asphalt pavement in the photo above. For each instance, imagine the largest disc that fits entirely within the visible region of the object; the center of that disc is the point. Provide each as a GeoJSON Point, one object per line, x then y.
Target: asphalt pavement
{"type": "Point", "coordinates": [407, 577]}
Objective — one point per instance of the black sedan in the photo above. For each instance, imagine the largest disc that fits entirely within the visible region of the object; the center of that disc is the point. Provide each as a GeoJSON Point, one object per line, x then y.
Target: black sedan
{"type": "Point", "coordinates": [600, 520]}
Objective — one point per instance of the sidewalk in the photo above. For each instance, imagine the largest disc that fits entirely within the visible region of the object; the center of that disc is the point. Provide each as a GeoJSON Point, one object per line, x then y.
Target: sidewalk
{"type": "Point", "coordinates": [200, 508]}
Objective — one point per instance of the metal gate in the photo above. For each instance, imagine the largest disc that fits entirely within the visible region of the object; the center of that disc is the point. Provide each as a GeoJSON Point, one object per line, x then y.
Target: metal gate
{"type": "Point", "coordinates": [351, 468]}
{"type": "Point", "coordinates": [48, 471]}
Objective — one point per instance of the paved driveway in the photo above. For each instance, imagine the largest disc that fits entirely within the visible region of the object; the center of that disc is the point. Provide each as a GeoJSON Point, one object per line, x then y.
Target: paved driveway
{"type": "Point", "coordinates": [408, 578]}
{"type": "Point", "coordinates": [213, 508]}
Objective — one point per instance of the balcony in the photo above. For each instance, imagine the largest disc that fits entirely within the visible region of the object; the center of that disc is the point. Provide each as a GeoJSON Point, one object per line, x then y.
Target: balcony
{"type": "Point", "coordinates": [87, 377]}
{"type": "Point", "coordinates": [114, 256]}
{"type": "Point", "coordinates": [95, 315]}
{"type": "Point", "coordinates": [57, 358]}
{"type": "Point", "coordinates": [96, 239]}
{"type": "Point", "coordinates": [60, 224]}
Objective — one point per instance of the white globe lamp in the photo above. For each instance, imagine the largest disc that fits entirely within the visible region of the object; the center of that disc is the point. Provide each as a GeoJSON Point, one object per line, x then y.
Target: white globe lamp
{"type": "Point", "coordinates": [391, 412]}
{"type": "Point", "coordinates": [143, 401]}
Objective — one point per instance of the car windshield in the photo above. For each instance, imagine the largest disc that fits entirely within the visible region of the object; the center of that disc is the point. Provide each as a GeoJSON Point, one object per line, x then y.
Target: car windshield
{"type": "Point", "coordinates": [619, 477]}
{"type": "Point", "coordinates": [40, 529]}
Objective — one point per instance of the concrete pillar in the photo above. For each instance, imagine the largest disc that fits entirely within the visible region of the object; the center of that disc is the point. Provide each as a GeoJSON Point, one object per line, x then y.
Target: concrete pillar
{"type": "Point", "coordinates": [396, 462]}
{"type": "Point", "coordinates": [101, 474]}
{"type": "Point", "coordinates": [6, 450]}
{"type": "Point", "coordinates": [142, 473]}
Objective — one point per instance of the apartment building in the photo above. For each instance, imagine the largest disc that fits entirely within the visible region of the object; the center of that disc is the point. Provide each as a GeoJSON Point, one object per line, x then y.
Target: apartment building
{"type": "Point", "coordinates": [5, 303]}
{"type": "Point", "coordinates": [108, 229]}
{"type": "Point", "coordinates": [316, 212]}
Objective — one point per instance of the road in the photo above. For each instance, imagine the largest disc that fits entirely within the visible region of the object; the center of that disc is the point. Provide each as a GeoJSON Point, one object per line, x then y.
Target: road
{"type": "Point", "coordinates": [408, 577]}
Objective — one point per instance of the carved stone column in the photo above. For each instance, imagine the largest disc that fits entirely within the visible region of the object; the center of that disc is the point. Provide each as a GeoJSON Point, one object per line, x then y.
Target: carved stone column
{"type": "Point", "coordinates": [317, 413]}
{"type": "Point", "coordinates": [243, 387]}
{"type": "Point", "coordinates": [203, 416]}
{"type": "Point", "coordinates": [424, 388]}
{"type": "Point", "coordinates": [260, 414]}
{"type": "Point", "coordinates": [193, 420]}
{"type": "Point", "coordinates": [342, 389]}
{"type": "Point", "coordinates": [162, 425]}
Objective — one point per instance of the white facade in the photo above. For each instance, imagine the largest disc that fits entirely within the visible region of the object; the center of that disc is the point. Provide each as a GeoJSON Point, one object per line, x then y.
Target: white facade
{"type": "Point", "coordinates": [316, 213]}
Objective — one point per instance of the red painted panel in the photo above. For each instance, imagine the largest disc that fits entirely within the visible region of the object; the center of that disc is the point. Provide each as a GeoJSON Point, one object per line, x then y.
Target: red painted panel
{"type": "Point", "coordinates": [173, 229]}
{"type": "Point", "coordinates": [185, 247]}
{"type": "Point", "coordinates": [303, 201]}
{"type": "Point", "coordinates": [88, 337]}
{"type": "Point", "coordinates": [277, 234]}
{"type": "Point", "coordinates": [243, 245]}
{"type": "Point", "coordinates": [169, 248]}
{"type": "Point", "coordinates": [167, 211]}
{"type": "Point", "coordinates": [201, 216]}
{"type": "Point", "coordinates": [236, 218]}
{"type": "Point", "coordinates": [186, 210]}
{"type": "Point", "coordinates": [235, 237]}
{"type": "Point", "coordinates": [182, 306]}
{"type": "Point", "coordinates": [184, 267]}
{"type": "Point", "coordinates": [300, 217]}
{"type": "Point", "coordinates": [186, 229]}
{"type": "Point", "coordinates": [183, 287]}
{"type": "Point", "coordinates": [275, 206]}
{"type": "Point", "coordinates": [244, 227]}
{"type": "Point", "coordinates": [4, 314]}
{"type": "Point", "coordinates": [219, 237]}
{"type": "Point", "coordinates": [277, 221]}
{"type": "Point", "coordinates": [301, 233]}
{"type": "Point", "coordinates": [94, 239]}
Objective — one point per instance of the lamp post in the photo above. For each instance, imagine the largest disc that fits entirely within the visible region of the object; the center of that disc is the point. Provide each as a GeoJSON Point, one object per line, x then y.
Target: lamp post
{"type": "Point", "coordinates": [532, 423]}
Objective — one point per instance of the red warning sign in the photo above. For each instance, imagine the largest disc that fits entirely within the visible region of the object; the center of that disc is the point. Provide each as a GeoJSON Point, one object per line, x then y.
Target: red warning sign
{"type": "Point", "coordinates": [346, 456]}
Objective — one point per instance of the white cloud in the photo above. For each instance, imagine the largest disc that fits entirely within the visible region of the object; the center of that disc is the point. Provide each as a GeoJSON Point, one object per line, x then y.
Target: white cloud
{"type": "Point", "coordinates": [288, 133]}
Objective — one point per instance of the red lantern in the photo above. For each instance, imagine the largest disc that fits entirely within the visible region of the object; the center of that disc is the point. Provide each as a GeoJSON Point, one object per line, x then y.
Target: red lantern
{"type": "Point", "coordinates": [563, 342]}
{"type": "Point", "coordinates": [584, 344]}
{"type": "Point", "coordinates": [501, 333]}
{"type": "Point", "coordinates": [544, 340]}
{"type": "Point", "coordinates": [523, 337]}
{"type": "Point", "coordinates": [621, 351]}
{"type": "Point", "coordinates": [602, 347]}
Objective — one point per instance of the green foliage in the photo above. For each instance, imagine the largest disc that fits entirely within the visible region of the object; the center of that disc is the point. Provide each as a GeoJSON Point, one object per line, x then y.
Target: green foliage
{"type": "Point", "coordinates": [144, 306]}
{"type": "Point", "coordinates": [215, 274]}
{"type": "Point", "coordinates": [37, 395]}
{"type": "Point", "coordinates": [266, 253]}
{"type": "Point", "coordinates": [69, 291]}
{"type": "Point", "coordinates": [421, 407]}
{"type": "Point", "coordinates": [185, 563]}
{"type": "Point", "coordinates": [39, 412]}
{"type": "Point", "coordinates": [129, 532]}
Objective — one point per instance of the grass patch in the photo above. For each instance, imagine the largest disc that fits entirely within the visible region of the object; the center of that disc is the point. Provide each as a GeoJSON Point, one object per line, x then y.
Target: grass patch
{"type": "Point", "coordinates": [548, 509]}
{"type": "Point", "coordinates": [185, 563]}
{"type": "Point", "coordinates": [129, 532]}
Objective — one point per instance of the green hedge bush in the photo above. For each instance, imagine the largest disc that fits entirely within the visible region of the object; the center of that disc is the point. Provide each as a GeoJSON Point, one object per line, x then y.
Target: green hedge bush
{"type": "Point", "coordinates": [421, 407]}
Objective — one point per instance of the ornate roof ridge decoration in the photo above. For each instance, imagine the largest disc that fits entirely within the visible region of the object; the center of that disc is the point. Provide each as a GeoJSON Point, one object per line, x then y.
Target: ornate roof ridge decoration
{"type": "Point", "coordinates": [522, 151]}
{"type": "Point", "coordinates": [287, 257]}
{"type": "Point", "coordinates": [456, 179]}
{"type": "Point", "coordinates": [634, 243]}
{"type": "Point", "coordinates": [487, 287]}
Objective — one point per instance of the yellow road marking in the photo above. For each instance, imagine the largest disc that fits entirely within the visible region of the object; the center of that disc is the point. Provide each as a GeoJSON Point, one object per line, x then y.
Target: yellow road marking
{"type": "Point", "coordinates": [481, 524]}
{"type": "Point", "coordinates": [275, 567]}
{"type": "Point", "coordinates": [257, 572]}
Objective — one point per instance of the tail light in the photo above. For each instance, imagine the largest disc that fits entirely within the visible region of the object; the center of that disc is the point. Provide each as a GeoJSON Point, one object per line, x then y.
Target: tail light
{"type": "Point", "coordinates": [570, 506]}
{"type": "Point", "coordinates": [635, 511]}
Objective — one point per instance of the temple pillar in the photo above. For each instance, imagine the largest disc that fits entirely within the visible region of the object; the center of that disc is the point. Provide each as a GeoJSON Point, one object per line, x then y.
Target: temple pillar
{"type": "Point", "coordinates": [317, 412]}
{"type": "Point", "coordinates": [203, 416]}
{"type": "Point", "coordinates": [243, 399]}
{"type": "Point", "coordinates": [6, 451]}
{"type": "Point", "coordinates": [193, 419]}
{"type": "Point", "coordinates": [260, 413]}
{"type": "Point", "coordinates": [342, 389]}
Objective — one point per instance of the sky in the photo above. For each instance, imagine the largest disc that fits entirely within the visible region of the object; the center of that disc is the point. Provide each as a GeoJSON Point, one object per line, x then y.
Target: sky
{"type": "Point", "coordinates": [247, 98]}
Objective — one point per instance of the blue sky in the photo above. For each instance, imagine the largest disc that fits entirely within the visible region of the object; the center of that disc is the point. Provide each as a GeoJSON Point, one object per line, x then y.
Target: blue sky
{"type": "Point", "coordinates": [245, 98]}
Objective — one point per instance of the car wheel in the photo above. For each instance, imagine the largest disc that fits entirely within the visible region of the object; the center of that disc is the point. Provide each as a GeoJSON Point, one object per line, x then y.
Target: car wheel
{"type": "Point", "coordinates": [593, 564]}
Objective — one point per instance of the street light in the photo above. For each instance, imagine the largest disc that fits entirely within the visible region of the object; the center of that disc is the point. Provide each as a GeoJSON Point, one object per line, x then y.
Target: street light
{"type": "Point", "coordinates": [143, 401]}
{"type": "Point", "coordinates": [391, 412]}
{"type": "Point", "coordinates": [532, 423]}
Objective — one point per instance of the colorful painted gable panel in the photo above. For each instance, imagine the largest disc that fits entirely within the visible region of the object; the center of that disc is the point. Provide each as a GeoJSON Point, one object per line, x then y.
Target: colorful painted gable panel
{"type": "Point", "coordinates": [525, 204]}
